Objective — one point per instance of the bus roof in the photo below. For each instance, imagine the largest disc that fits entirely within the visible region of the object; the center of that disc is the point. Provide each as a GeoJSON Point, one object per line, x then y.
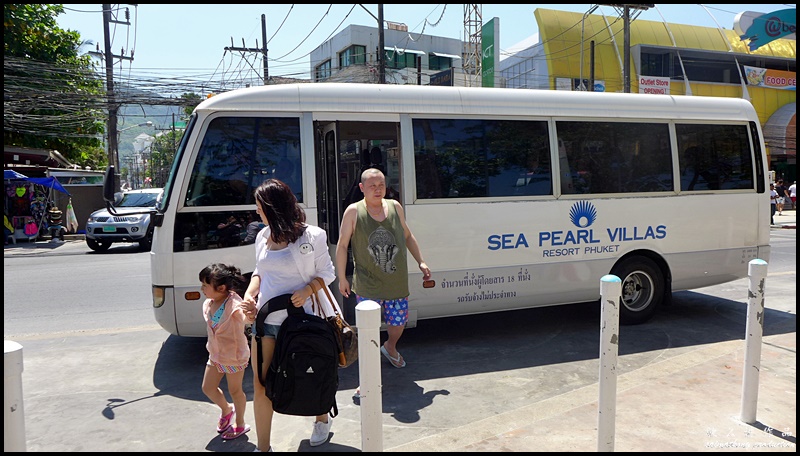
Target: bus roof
{"type": "Point", "coordinates": [435, 100]}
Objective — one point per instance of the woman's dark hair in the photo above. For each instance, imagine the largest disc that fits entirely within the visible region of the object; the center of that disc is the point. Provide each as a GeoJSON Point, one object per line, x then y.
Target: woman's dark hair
{"type": "Point", "coordinates": [217, 274]}
{"type": "Point", "coordinates": [285, 216]}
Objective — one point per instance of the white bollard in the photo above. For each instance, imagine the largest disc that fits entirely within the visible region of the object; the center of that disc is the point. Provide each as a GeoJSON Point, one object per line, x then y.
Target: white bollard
{"type": "Point", "coordinates": [610, 293]}
{"type": "Point", "coordinates": [368, 322]}
{"type": "Point", "coordinates": [757, 270]}
{"type": "Point", "coordinates": [14, 415]}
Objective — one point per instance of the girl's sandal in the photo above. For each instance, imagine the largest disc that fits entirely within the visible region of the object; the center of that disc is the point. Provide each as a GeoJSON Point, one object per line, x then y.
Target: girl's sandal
{"type": "Point", "coordinates": [235, 432]}
{"type": "Point", "coordinates": [225, 421]}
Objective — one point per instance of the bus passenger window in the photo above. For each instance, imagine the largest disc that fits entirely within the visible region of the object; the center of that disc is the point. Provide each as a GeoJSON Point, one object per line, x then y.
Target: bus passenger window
{"type": "Point", "coordinates": [473, 158]}
{"type": "Point", "coordinates": [714, 157]}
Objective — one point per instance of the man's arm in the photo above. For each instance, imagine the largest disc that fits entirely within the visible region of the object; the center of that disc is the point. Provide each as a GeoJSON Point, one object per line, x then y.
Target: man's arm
{"type": "Point", "coordinates": [345, 234]}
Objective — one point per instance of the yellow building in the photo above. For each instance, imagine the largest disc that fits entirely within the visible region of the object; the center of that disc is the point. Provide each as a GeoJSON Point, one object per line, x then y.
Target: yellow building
{"type": "Point", "coordinates": [574, 53]}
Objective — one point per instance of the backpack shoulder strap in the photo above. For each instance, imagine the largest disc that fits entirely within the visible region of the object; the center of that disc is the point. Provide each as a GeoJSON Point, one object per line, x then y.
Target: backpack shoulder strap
{"type": "Point", "coordinates": [281, 302]}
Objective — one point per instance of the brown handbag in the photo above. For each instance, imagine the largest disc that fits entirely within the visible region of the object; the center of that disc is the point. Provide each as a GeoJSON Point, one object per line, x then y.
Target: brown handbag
{"type": "Point", "coordinates": [345, 334]}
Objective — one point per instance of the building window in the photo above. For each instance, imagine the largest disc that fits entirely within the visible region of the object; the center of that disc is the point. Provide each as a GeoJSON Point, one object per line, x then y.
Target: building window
{"type": "Point", "coordinates": [439, 63]}
{"type": "Point", "coordinates": [354, 55]}
{"type": "Point", "coordinates": [705, 66]}
{"type": "Point", "coordinates": [711, 70]}
{"type": "Point", "coordinates": [323, 71]}
{"type": "Point", "coordinates": [656, 64]}
{"type": "Point", "coordinates": [399, 60]}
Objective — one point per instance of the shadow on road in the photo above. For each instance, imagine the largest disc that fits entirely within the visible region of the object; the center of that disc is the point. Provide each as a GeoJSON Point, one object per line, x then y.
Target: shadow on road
{"type": "Point", "coordinates": [552, 337]}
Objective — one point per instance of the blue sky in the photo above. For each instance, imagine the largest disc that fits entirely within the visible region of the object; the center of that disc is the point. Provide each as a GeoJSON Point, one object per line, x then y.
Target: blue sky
{"type": "Point", "coordinates": [190, 39]}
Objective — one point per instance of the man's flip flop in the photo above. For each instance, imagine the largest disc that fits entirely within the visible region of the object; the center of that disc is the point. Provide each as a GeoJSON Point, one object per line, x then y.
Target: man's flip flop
{"type": "Point", "coordinates": [225, 421]}
{"type": "Point", "coordinates": [396, 362]}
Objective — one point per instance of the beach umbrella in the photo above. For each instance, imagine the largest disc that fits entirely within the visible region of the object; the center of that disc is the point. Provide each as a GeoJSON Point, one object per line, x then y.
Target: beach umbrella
{"type": "Point", "coordinates": [50, 182]}
{"type": "Point", "coordinates": [11, 174]}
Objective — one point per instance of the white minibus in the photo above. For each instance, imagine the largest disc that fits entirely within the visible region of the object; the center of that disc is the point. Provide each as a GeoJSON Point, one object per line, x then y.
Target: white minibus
{"type": "Point", "coordinates": [518, 198]}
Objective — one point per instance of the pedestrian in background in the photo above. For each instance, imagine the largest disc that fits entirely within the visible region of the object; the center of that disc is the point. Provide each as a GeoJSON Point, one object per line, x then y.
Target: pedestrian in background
{"type": "Point", "coordinates": [773, 200]}
{"type": "Point", "coordinates": [289, 255]}
{"type": "Point", "coordinates": [781, 189]}
{"type": "Point", "coordinates": [793, 194]}
{"type": "Point", "coordinates": [228, 350]}
{"type": "Point", "coordinates": [380, 236]}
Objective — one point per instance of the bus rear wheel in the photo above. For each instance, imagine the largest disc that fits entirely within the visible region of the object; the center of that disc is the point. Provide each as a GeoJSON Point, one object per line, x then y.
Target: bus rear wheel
{"type": "Point", "coordinates": [642, 289]}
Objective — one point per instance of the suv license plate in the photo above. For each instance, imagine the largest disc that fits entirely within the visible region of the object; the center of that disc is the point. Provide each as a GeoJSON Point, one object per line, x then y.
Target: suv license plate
{"type": "Point", "coordinates": [109, 229]}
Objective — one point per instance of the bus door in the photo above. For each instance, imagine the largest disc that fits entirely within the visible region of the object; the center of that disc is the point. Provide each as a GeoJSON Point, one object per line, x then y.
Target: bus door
{"type": "Point", "coordinates": [326, 164]}
{"type": "Point", "coordinates": [344, 150]}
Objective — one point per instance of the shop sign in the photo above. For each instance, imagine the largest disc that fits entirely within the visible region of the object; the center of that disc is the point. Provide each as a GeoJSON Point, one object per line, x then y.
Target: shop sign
{"type": "Point", "coordinates": [654, 84]}
{"type": "Point", "coordinates": [773, 79]}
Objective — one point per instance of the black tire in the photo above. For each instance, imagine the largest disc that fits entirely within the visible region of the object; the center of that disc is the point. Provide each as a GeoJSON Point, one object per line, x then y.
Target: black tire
{"type": "Point", "coordinates": [98, 246]}
{"type": "Point", "coordinates": [642, 289]}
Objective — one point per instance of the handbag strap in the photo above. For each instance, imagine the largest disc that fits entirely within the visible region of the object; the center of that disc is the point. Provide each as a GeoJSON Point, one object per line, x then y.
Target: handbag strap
{"type": "Point", "coordinates": [334, 305]}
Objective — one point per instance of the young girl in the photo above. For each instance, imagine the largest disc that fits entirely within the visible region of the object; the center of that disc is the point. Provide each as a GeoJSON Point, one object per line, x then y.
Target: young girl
{"type": "Point", "coordinates": [228, 349]}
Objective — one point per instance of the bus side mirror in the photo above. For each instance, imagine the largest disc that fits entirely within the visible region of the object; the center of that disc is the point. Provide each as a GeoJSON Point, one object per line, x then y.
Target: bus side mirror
{"type": "Point", "coordinates": [108, 185]}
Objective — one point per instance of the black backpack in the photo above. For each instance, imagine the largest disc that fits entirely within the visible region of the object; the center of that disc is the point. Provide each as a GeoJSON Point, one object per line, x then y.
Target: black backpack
{"type": "Point", "coordinates": [303, 377]}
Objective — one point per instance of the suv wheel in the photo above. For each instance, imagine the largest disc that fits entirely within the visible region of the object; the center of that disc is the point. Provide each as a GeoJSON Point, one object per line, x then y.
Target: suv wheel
{"type": "Point", "coordinates": [97, 246]}
{"type": "Point", "coordinates": [146, 242]}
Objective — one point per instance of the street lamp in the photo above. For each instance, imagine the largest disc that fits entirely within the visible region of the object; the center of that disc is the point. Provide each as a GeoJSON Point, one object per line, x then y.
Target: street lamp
{"type": "Point", "coordinates": [116, 146]}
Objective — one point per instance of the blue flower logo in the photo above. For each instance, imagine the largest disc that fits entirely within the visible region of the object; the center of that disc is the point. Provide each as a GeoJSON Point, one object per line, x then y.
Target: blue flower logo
{"type": "Point", "coordinates": [582, 214]}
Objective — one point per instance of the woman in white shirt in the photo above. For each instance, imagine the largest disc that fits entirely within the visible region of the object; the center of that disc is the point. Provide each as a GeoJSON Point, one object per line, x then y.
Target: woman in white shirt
{"type": "Point", "coordinates": [289, 255]}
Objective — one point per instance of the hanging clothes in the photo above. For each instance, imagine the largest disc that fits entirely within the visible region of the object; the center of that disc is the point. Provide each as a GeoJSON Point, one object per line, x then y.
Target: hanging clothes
{"type": "Point", "coordinates": [72, 221]}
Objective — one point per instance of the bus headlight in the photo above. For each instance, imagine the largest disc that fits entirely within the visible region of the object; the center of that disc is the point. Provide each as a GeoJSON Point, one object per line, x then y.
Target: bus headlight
{"type": "Point", "coordinates": [158, 296]}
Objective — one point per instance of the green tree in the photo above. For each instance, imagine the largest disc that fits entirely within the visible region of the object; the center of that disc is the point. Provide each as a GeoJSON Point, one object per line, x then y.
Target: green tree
{"type": "Point", "coordinates": [162, 156]}
{"type": "Point", "coordinates": [192, 100]}
{"type": "Point", "coordinates": [53, 97]}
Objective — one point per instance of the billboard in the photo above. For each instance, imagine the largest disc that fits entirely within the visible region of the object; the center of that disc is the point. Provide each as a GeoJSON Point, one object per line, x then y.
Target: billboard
{"type": "Point", "coordinates": [772, 79]}
{"type": "Point", "coordinates": [489, 55]}
{"type": "Point", "coordinates": [442, 78]}
{"type": "Point", "coordinates": [761, 29]}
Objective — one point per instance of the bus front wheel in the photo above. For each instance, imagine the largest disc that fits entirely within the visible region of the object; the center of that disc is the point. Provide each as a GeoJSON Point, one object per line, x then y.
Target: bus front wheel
{"type": "Point", "coordinates": [642, 289]}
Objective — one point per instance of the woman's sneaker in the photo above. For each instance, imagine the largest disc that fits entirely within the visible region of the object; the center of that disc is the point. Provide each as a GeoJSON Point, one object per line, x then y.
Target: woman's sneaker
{"type": "Point", "coordinates": [320, 433]}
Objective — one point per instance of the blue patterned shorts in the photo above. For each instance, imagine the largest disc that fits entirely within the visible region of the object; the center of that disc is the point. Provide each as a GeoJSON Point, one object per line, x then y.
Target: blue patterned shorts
{"type": "Point", "coordinates": [395, 311]}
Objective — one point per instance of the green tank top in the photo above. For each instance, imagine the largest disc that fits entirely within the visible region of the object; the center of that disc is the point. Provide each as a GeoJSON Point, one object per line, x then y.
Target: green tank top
{"type": "Point", "coordinates": [379, 255]}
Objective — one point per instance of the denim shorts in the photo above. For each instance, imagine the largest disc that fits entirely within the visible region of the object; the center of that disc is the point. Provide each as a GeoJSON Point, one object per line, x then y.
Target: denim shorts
{"type": "Point", "coordinates": [271, 330]}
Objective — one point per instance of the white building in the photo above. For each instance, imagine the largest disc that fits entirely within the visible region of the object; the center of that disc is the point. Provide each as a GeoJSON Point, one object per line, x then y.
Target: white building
{"type": "Point", "coordinates": [351, 56]}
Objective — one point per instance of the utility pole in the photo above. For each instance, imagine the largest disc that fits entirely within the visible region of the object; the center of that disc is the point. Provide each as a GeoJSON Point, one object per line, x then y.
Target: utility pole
{"type": "Point", "coordinates": [380, 55]}
{"type": "Point", "coordinates": [626, 27]}
{"type": "Point", "coordinates": [266, 66]}
{"type": "Point", "coordinates": [381, 50]}
{"type": "Point", "coordinates": [113, 107]}
{"type": "Point", "coordinates": [261, 50]}
{"type": "Point", "coordinates": [626, 46]}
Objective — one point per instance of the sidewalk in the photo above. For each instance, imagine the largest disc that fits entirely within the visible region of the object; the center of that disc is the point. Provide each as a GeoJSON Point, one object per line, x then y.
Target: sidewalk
{"type": "Point", "coordinates": [788, 219]}
{"type": "Point", "coordinates": [74, 244]}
